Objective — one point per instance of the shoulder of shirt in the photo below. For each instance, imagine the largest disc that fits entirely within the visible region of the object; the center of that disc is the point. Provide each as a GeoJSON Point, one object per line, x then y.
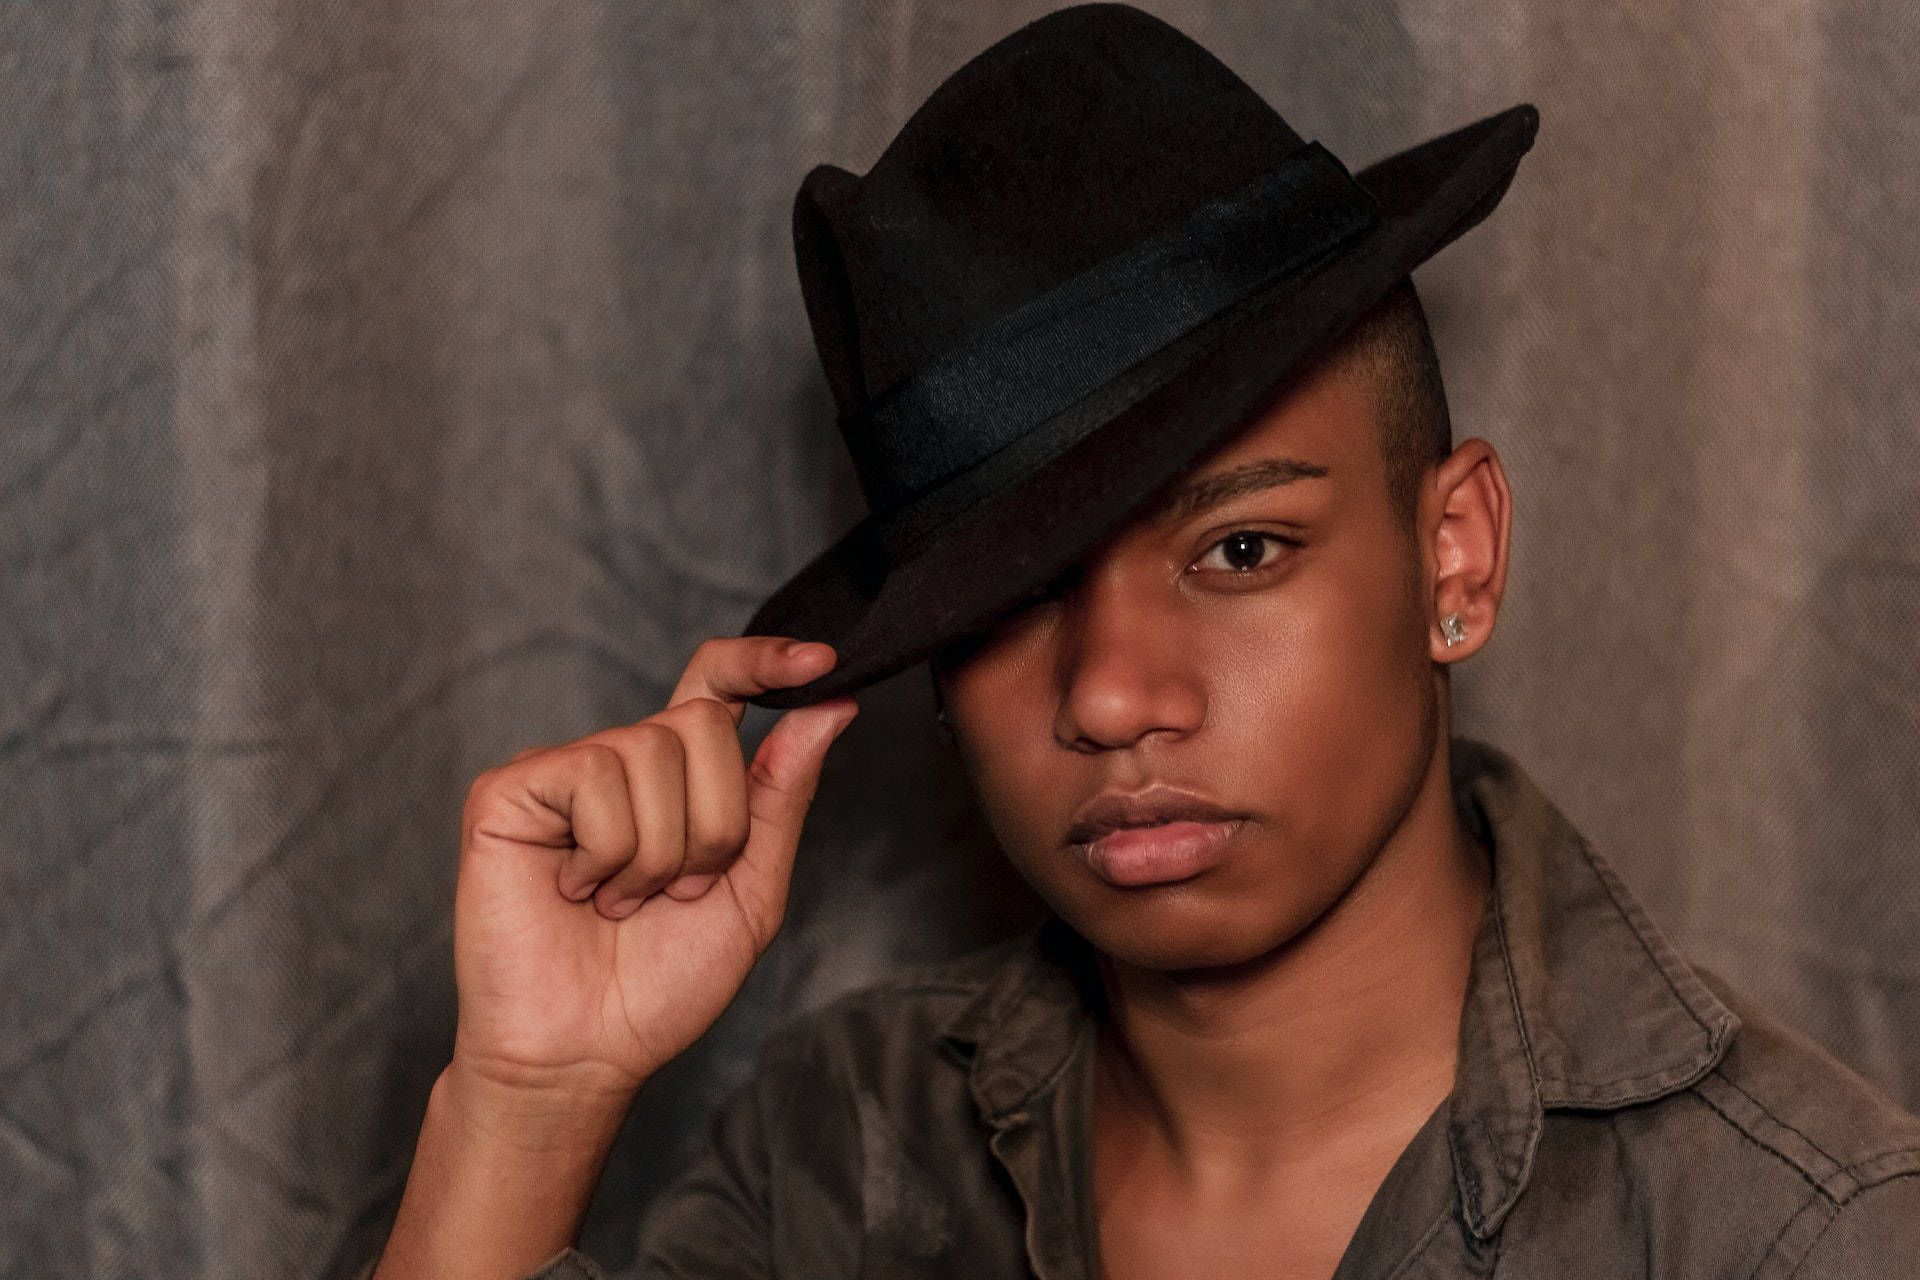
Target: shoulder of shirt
{"type": "Point", "coordinates": [1800, 1106]}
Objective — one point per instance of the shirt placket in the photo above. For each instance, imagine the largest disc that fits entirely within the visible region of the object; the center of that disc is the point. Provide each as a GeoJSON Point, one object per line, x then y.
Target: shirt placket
{"type": "Point", "coordinates": [1045, 1149]}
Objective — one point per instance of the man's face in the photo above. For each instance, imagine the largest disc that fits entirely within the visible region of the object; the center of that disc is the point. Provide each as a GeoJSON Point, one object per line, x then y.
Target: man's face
{"type": "Point", "coordinates": [1203, 739]}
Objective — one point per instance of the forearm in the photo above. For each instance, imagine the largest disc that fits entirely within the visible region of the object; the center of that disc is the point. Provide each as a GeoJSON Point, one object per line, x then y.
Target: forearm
{"type": "Point", "coordinates": [501, 1178]}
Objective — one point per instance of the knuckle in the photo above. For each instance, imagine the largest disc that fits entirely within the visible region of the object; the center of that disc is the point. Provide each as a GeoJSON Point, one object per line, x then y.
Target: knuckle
{"type": "Point", "coordinates": [709, 713]}
{"type": "Point", "coordinates": [491, 798]}
{"type": "Point", "coordinates": [655, 741]}
{"type": "Point", "coordinates": [595, 769]}
{"type": "Point", "coordinates": [694, 718]}
{"type": "Point", "coordinates": [483, 782]}
{"type": "Point", "coordinates": [597, 760]}
{"type": "Point", "coordinates": [486, 790]}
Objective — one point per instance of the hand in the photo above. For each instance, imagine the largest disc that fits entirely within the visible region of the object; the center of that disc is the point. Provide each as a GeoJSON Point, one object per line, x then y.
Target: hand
{"type": "Point", "coordinates": [615, 891]}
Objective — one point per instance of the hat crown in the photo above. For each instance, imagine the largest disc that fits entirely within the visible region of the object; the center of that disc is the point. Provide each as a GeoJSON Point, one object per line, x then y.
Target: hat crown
{"type": "Point", "coordinates": [1064, 143]}
{"type": "Point", "coordinates": [1089, 258]}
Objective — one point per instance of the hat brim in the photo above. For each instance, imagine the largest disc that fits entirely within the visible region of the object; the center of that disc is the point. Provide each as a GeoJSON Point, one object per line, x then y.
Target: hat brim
{"type": "Point", "coordinates": [883, 618]}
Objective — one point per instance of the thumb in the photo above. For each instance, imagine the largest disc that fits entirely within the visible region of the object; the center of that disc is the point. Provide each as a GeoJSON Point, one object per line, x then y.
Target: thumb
{"type": "Point", "coordinates": [780, 785]}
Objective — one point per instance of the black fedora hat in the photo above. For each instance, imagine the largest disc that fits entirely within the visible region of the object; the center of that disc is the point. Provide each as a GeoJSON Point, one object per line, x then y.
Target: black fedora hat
{"type": "Point", "coordinates": [1090, 257]}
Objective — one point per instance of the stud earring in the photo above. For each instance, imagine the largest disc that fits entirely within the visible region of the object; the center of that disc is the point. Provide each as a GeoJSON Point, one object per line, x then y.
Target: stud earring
{"type": "Point", "coordinates": [1452, 629]}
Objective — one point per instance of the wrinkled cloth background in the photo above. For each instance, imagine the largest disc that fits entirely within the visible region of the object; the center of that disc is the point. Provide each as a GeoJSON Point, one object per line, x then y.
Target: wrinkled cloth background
{"type": "Point", "coordinates": [384, 389]}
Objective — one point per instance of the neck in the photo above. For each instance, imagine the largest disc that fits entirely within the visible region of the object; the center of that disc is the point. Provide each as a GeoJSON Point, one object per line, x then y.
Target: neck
{"type": "Point", "coordinates": [1346, 1036]}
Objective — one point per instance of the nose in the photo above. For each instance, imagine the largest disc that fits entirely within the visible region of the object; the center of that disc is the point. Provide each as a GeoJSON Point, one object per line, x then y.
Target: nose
{"type": "Point", "coordinates": [1125, 666]}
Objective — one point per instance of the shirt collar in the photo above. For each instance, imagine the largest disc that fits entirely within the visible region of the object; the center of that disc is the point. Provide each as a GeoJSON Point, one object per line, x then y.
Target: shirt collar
{"type": "Point", "coordinates": [1575, 999]}
{"type": "Point", "coordinates": [1017, 1036]}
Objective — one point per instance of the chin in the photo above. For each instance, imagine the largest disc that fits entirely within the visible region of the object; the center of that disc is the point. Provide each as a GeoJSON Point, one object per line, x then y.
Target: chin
{"type": "Point", "coordinates": [1181, 928]}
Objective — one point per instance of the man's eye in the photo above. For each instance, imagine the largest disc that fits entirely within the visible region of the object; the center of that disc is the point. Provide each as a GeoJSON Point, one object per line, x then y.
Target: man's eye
{"type": "Point", "coordinates": [1242, 552]}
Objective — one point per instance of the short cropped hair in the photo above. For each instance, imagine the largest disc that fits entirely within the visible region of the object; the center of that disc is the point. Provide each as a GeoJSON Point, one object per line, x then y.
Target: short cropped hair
{"type": "Point", "coordinates": [1392, 348]}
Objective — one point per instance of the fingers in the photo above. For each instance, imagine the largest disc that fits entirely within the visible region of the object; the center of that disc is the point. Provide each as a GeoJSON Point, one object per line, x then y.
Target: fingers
{"type": "Point", "coordinates": [670, 811]}
{"type": "Point", "coordinates": [573, 797]}
{"type": "Point", "coordinates": [668, 804]}
{"type": "Point", "coordinates": [732, 670]}
{"type": "Point", "coordinates": [654, 759]}
{"type": "Point", "coordinates": [780, 787]}
{"type": "Point", "coordinates": [716, 773]}
{"type": "Point", "coordinates": [615, 801]}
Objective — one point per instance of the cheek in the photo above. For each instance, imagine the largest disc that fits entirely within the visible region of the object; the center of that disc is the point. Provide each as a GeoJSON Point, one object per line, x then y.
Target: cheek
{"type": "Point", "coordinates": [1339, 694]}
{"type": "Point", "coordinates": [1003, 728]}
{"type": "Point", "coordinates": [1006, 793]}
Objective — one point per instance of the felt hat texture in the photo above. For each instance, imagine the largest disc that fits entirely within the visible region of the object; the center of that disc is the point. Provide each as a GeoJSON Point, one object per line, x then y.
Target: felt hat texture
{"type": "Point", "coordinates": [1088, 259]}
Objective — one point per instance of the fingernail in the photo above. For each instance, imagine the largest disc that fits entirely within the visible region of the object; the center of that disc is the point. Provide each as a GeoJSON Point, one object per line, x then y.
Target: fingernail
{"type": "Point", "coordinates": [687, 888]}
{"type": "Point", "coordinates": [624, 908]}
{"type": "Point", "coordinates": [813, 651]}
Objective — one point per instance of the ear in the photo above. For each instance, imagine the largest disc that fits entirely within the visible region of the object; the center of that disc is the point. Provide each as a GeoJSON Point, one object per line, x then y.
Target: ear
{"type": "Point", "coordinates": [1465, 514]}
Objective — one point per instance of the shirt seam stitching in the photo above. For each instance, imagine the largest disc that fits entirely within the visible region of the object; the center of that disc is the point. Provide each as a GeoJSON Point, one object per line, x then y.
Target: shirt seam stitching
{"type": "Point", "coordinates": [1576, 1095]}
{"type": "Point", "coordinates": [1910, 1171]}
{"type": "Point", "coordinates": [1839, 1169]}
{"type": "Point", "coordinates": [1823, 1185]}
{"type": "Point", "coordinates": [1773, 1246]}
{"type": "Point", "coordinates": [1741, 1129]}
{"type": "Point", "coordinates": [1767, 1111]}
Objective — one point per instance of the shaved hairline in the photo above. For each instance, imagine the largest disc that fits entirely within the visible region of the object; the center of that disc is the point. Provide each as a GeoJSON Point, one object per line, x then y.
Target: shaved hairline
{"type": "Point", "coordinates": [1390, 348]}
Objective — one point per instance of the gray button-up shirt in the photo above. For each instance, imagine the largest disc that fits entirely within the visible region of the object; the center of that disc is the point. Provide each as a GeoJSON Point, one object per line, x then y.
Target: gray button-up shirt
{"type": "Point", "coordinates": [1615, 1112]}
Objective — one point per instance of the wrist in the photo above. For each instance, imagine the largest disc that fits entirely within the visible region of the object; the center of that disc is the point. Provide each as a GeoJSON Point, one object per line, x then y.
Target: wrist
{"type": "Point", "coordinates": [502, 1175]}
{"type": "Point", "coordinates": [531, 1113]}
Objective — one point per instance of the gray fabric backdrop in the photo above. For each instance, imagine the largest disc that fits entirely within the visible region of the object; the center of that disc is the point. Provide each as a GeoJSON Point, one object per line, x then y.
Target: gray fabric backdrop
{"type": "Point", "coordinates": [385, 388]}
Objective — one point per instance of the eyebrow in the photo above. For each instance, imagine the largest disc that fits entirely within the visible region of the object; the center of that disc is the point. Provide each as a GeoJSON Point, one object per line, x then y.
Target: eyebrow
{"type": "Point", "coordinates": [1207, 492]}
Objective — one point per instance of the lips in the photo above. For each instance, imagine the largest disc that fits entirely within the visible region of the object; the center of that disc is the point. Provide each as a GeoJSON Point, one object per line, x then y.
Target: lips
{"type": "Point", "coordinates": [1157, 836]}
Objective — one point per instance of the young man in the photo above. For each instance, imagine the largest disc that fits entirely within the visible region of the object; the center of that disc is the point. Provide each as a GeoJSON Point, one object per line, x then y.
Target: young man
{"type": "Point", "coordinates": [1162, 482]}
